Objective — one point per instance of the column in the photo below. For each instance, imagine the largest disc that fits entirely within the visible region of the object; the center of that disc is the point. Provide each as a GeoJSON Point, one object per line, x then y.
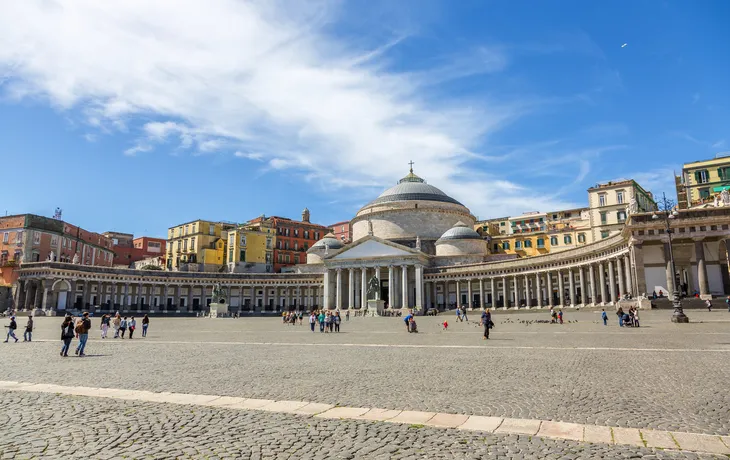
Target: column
{"type": "Point", "coordinates": [326, 301]}
{"type": "Point", "coordinates": [482, 302]}
{"type": "Point", "coordinates": [493, 292]}
{"type": "Point", "coordinates": [505, 293]}
{"type": "Point", "coordinates": [363, 287]}
{"type": "Point", "coordinates": [582, 286]}
{"type": "Point", "coordinates": [538, 290]}
{"type": "Point", "coordinates": [44, 305]}
{"type": "Point", "coordinates": [527, 292]}
{"type": "Point", "coordinates": [458, 293]}
{"type": "Point", "coordinates": [85, 295]}
{"type": "Point", "coordinates": [338, 290]}
{"type": "Point", "coordinates": [612, 282]}
{"type": "Point", "coordinates": [619, 275]}
{"type": "Point", "coordinates": [419, 287]}
{"type": "Point", "coordinates": [571, 287]}
{"type": "Point", "coordinates": [176, 302]}
{"type": "Point", "coordinates": [139, 297]}
{"type": "Point", "coordinates": [551, 300]}
{"type": "Point", "coordinates": [125, 298]}
{"type": "Point", "coordinates": [704, 285]}
{"type": "Point", "coordinates": [670, 272]}
{"type": "Point", "coordinates": [26, 299]}
{"type": "Point", "coordinates": [189, 302]}
{"type": "Point", "coordinates": [391, 282]}
{"type": "Point", "coordinates": [602, 280]}
{"type": "Point", "coordinates": [163, 298]}
{"type": "Point", "coordinates": [517, 291]}
{"type": "Point", "coordinates": [434, 299]}
{"type": "Point", "coordinates": [404, 287]}
{"type": "Point", "coordinates": [266, 296]}
{"type": "Point", "coordinates": [561, 289]}
{"type": "Point", "coordinates": [638, 254]}
{"type": "Point", "coordinates": [99, 295]}
{"type": "Point", "coordinates": [592, 280]}
{"type": "Point", "coordinates": [470, 294]}
{"type": "Point", "coordinates": [351, 290]}
{"type": "Point", "coordinates": [629, 277]}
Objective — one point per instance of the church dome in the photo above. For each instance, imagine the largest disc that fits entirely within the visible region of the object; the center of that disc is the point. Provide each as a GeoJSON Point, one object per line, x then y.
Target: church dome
{"type": "Point", "coordinates": [412, 188]}
{"type": "Point", "coordinates": [460, 231]}
{"type": "Point", "coordinates": [330, 241]}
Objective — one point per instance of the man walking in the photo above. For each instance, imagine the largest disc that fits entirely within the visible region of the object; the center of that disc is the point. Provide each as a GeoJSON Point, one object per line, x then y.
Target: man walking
{"type": "Point", "coordinates": [487, 323]}
{"type": "Point", "coordinates": [11, 329]}
{"type": "Point", "coordinates": [28, 335]}
{"type": "Point", "coordinates": [604, 317]}
{"type": "Point", "coordinates": [83, 326]}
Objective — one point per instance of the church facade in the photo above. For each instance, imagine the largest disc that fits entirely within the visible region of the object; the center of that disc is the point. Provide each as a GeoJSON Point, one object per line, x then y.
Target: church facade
{"type": "Point", "coordinates": [421, 247]}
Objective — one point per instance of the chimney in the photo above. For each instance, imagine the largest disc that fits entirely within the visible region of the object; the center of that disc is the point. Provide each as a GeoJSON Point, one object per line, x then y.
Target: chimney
{"type": "Point", "coordinates": [305, 215]}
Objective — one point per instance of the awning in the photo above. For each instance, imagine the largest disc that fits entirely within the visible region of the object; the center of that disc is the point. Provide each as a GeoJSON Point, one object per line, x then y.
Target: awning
{"type": "Point", "coordinates": [721, 188]}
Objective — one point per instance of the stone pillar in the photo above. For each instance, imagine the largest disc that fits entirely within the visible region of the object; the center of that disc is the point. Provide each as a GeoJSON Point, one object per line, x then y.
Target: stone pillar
{"type": "Point", "coordinates": [176, 299]}
{"type": "Point", "coordinates": [99, 295]}
{"type": "Point", "coordinates": [602, 281]}
{"type": "Point", "coordinates": [419, 287]}
{"type": "Point", "coordinates": [327, 303]}
{"type": "Point", "coordinates": [538, 290]}
{"type": "Point", "coordinates": [561, 289]}
{"type": "Point", "coordinates": [571, 287]}
{"type": "Point", "coordinates": [125, 298]}
{"type": "Point", "coordinates": [139, 297]}
{"type": "Point", "coordinates": [592, 281]}
{"type": "Point", "coordinates": [517, 291]}
{"type": "Point", "coordinates": [704, 285]}
{"type": "Point", "coordinates": [27, 298]}
{"type": "Point", "coordinates": [629, 277]}
{"type": "Point", "coordinates": [338, 290]}
{"type": "Point", "coordinates": [189, 302]}
{"type": "Point", "coordinates": [619, 276]}
{"type": "Point", "coordinates": [582, 286]}
{"type": "Point", "coordinates": [404, 287]}
{"type": "Point", "coordinates": [527, 292]}
{"type": "Point", "coordinates": [669, 271]}
{"type": "Point", "coordinates": [612, 282]}
{"type": "Point", "coordinates": [351, 290]}
{"type": "Point", "coordinates": [470, 294]}
{"type": "Point", "coordinates": [493, 292]}
{"type": "Point", "coordinates": [266, 297]}
{"type": "Point", "coordinates": [482, 301]}
{"type": "Point", "coordinates": [364, 288]}
{"type": "Point", "coordinates": [458, 293]}
{"type": "Point", "coordinates": [638, 253]}
{"type": "Point", "coordinates": [434, 299]}
{"type": "Point", "coordinates": [44, 305]}
{"type": "Point", "coordinates": [551, 300]}
{"type": "Point", "coordinates": [391, 291]}
{"type": "Point", "coordinates": [163, 297]}
{"type": "Point", "coordinates": [505, 293]}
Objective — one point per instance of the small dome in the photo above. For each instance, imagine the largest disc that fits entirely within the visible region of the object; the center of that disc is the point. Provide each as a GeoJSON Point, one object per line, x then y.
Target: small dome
{"type": "Point", "coordinates": [460, 231]}
{"type": "Point", "coordinates": [330, 240]}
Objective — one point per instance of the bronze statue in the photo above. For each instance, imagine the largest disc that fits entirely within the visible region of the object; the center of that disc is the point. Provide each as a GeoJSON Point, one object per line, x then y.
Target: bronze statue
{"type": "Point", "coordinates": [374, 288]}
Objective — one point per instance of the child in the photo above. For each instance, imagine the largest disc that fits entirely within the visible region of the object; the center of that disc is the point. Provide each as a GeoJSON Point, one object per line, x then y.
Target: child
{"type": "Point", "coordinates": [560, 316]}
{"type": "Point", "coordinates": [446, 325]}
{"type": "Point", "coordinates": [604, 317]}
{"type": "Point", "coordinates": [412, 325]}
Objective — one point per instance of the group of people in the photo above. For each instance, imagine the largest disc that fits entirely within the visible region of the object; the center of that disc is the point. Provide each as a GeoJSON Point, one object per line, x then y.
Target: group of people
{"type": "Point", "coordinates": [328, 321]}
{"type": "Point", "coordinates": [461, 314]}
{"type": "Point", "coordinates": [556, 316]}
{"type": "Point", "coordinates": [80, 328]}
{"type": "Point", "coordinates": [27, 335]}
{"type": "Point", "coordinates": [121, 325]}
{"type": "Point", "coordinates": [629, 319]}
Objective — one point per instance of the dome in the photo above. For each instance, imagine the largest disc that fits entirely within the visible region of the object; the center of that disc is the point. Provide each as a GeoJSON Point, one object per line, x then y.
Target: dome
{"type": "Point", "coordinates": [413, 188]}
{"type": "Point", "coordinates": [330, 241]}
{"type": "Point", "coordinates": [460, 231]}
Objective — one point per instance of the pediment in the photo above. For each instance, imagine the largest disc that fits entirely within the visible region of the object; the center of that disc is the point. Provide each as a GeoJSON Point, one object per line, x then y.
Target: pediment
{"type": "Point", "coordinates": [373, 248]}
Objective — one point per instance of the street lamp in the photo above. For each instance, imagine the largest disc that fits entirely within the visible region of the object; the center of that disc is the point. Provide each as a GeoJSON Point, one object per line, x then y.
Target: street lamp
{"type": "Point", "coordinates": [667, 214]}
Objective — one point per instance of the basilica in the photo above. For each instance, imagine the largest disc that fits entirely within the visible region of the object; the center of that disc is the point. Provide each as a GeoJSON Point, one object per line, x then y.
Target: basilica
{"type": "Point", "coordinates": [420, 245]}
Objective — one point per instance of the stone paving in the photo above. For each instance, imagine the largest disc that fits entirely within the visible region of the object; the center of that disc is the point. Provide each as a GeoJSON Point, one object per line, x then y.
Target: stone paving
{"type": "Point", "coordinates": [660, 376]}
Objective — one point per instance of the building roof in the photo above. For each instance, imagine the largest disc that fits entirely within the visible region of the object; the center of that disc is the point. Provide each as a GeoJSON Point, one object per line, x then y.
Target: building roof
{"type": "Point", "coordinates": [330, 241]}
{"type": "Point", "coordinates": [413, 188]}
{"type": "Point", "coordinates": [460, 231]}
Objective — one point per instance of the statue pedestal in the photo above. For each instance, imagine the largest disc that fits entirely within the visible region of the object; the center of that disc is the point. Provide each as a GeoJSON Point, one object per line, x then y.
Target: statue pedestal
{"type": "Point", "coordinates": [218, 308]}
{"type": "Point", "coordinates": [375, 307]}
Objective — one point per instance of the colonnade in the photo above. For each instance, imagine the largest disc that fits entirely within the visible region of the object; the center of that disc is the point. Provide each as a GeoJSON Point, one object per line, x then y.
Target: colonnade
{"type": "Point", "coordinates": [347, 287]}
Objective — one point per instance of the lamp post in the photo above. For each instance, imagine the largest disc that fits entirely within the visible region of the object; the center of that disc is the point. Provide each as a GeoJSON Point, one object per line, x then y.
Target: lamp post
{"type": "Point", "coordinates": [667, 213]}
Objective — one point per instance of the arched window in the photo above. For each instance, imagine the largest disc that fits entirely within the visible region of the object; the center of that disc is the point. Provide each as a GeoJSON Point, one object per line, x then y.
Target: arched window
{"type": "Point", "coordinates": [581, 237]}
{"type": "Point", "coordinates": [553, 241]}
{"type": "Point", "coordinates": [567, 239]}
{"type": "Point", "coordinates": [528, 243]}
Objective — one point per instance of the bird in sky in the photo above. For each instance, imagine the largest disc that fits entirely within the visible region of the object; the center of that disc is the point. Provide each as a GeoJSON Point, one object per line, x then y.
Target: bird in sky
{"type": "Point", "coordinates": [624, 45]}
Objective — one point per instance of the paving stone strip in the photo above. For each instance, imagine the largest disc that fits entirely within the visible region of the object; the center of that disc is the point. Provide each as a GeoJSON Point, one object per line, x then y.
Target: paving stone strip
{"type": "Point", "coordinates": [692, 442]}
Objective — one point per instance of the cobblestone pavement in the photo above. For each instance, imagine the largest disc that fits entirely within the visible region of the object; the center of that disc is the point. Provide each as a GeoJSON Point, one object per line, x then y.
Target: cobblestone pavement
{"type": "Point", "coordinates": [36, 425]}
{"type": "Point", "coordinates": [662, 376]}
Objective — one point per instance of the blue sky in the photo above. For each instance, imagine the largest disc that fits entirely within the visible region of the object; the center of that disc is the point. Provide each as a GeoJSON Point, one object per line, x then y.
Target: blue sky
{"type": "Point", "coordinates": [135, 116]}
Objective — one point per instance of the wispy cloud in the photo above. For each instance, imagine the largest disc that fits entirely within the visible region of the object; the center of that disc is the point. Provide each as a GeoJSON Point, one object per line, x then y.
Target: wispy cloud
{"type": "Point", "coordinates": [718, 144]}
{"type": "Point", "coordinates": [658, 181]}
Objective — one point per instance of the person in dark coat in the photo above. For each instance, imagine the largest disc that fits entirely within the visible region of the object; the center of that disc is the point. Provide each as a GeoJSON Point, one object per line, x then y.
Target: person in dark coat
{"type": "Point", "coordinates": [486, 323]}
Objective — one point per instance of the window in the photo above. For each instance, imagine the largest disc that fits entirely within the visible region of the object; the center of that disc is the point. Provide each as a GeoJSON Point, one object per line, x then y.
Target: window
{"type": "Point", "coordinates": [286, 258]}
{"type": "Point", "coordinates": [316, 236]}
{"type": "Point", "coordinates": [296, 246]}
{"type": "Point", "coordinates": [581, 237]}
{"type": "Point", "coordinates": [553, 241]}
{"type": "Point", "coordinates": [505, 245]}
{"type": "Point", "coordinates": [496, 247]}
{"type": "Point", "coordinates": [602, 199]}
{"type": "Point", "coordinates": [211, 229]}
{"type": "Point", "coordinates": [4, 257]}
{"type": "Point", "coordinates": [6, 237]}
{"type": "Point", "coordinates": [195, 228]}
{"type": "Point", "coordinates": [501, 224]}
{"type": "Point", "coordinates": [528, 243]}
{"type": "Point", "coordinates": [518, 245]}
{"type": "Point", "coordinates": [243, 240]}
{"type": "Point", "coordinates": [19, 238]}
{"type": "Point", "coordinates": [230, 255]}
{"type": "Point", "coordinates": [54, 240]}
{"type": "Point", "coordinates": [36, 237]}
{"type": "Point", "coordinates": [268, 243]}
{"type": "Point", "coordinates": [306, 234]}
{"type": "Point", "coordinates": [604, 234]}
{"type": "Point", "coordinates": [702, 177]}
{"type": "Point", "coordinates": [179, 244]}
{"type": "Point", "coordinates": [540, 243]}
{"type": "Point", "coordinates": [568, 214]}
{"type": "Point", "coordinates": [723, 173]}
{"type": "Point", "coordinates": [296, 259]}
{"type": "Point", "coordinates": [185, 245]}
{"type": "Point", "coordinates": [187, 229]}
{"type": "Point", "coordinates": [280, 258]}
{"type": "Point", "coordinates": [603, 217]}
{"type": "Point", "coordinates": [287, 232]}
{"type": "Point", "coordinates": [296, 232]}
{"type": "Point", "coordinates": [16, 256]}
{"type": "Point", "coordinates": [192, 243]}
{"type": "Point", "coordinates": [286, 245]}
{"type": "Point", "coordinates": [620, 196]}
{"type": "Point", "coordinates": [242, 255]}
{"type": "Point", "coordinates": [621, 216]}
{"type": "Point", "coordinates": [567, 239]}
{"type": "Point", "coordinates": [306, 246]}
{"type": "Point", "coordinates": [704, 193]}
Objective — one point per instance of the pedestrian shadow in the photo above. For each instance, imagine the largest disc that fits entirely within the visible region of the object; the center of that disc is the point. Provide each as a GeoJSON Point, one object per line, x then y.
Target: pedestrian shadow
{"type": "Point", "coordinates": [94, 356]}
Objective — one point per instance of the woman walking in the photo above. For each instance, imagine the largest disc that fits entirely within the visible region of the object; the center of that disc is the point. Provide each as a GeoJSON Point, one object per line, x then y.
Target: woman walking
{"type": "Point", "coordinates": [132, 326]}
{"type": "Point", "coordinates": [337, 320]}
{"type": "Point", "coordinates": [320, 319]}
{"type": "Point", "coordinates": [105, 320]}
{"type": "Point", "coordinates": [117, 325]}
{"type": "Point", "coordinates": [28, 335]}
{"type": "Point", "coordinates": [123, 326]}
{"type": "Point", "coordinates": [487, 323]}
{"type": "Point", "coordinates": [67, 334]}
{"type": "Point", "coordinates": [145, 325]}
{"type": "Point", "coordinates": [312, 320]}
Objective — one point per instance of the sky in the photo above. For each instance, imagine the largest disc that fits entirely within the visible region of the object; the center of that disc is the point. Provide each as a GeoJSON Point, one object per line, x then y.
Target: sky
{"type": "Point", "coordinates": [135, 116]}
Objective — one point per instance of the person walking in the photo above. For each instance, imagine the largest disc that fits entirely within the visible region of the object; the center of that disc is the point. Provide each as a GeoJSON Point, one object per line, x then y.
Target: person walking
{"type": "Point", "coordinates": [708, 304]}
{"type": "Point", "coordinates": [312, 321]}
{"type": "Point", "coordinates": [123, 326]}
{"type": "Point", "coordinates": [636, 317]}
{"type": "Point", "coordinates": [132, 326]}
{"type": "Point", "coordinates": [560, 316]}
{"type": "Point", "coordinates": [11, 329]}
{"type": "Point", "coordinates": [320, 320]}
{"type": "Point", "coordinates": [117, 323]}
{"type": "Point", "coordinates": [83, 326]}
{"type": "Point", "coordinates": [486, 323]}
{"type": "Point", "coordinates": [67, 334]}
{"type": "Point", "coordinates": [347, 313]}
{"type": "Point", "coordinates": [328, 323]}
{"type": "Point", "coordinates": [28, 335]}
{"type": "Point", "coordinates": [337, 321]}
{"type": "Point", "coordinates": [105, 321]}
{"type": "Point", "coordinates": [463, 315]}
{"type": "Point", "coordinates": [604, 317]}
{"type": "Point", "coordinates": [145, 325]}
{"type": "Point", "coordinates": [620, 314]}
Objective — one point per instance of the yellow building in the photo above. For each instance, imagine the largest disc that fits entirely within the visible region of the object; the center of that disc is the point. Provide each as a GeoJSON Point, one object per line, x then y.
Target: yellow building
{"type": "Point", "coordinates": [199, 245]}
{"type": "Point", "coordinates": [251, 249]}
{"type": "Point", "coordinates": [702, 180]}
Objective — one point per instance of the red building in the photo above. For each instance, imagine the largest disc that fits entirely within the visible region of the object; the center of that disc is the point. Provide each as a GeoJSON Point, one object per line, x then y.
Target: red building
{"type": "Point", "coordinates": [343, 231]}
{"type": "Point", "coordinates": [128, 249]}
{"type": "Point", "coordinates": [293, 238]}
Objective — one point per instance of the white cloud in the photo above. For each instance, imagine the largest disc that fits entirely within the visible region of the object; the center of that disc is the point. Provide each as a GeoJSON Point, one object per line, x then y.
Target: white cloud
{"type": "Point", "coordinates": [264, 77]}
{"type": "Point", "coordinates": [658, 181]}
